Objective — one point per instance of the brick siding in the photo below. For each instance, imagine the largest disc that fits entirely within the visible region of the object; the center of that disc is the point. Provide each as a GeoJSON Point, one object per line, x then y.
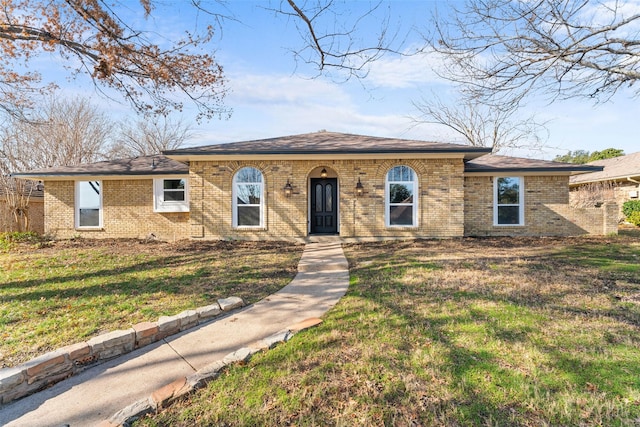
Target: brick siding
{"type": "Point", "coordinates": [36, 216]}
{"type": "Point", "coordinates": [547, 211]}
{"type": "Point", "coordinates": [127, 212]}
{"type": "Point", "coordinates": [440, 198]}
{"type": "Point", "coordinates": [449, 204]}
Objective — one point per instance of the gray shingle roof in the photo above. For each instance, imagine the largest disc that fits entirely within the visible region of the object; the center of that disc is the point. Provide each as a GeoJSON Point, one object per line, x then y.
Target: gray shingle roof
{"type": "Point", "coordinates": [326, 143]}
{"type": "Point", "coordinates": [497, 163]}
{"type": "Point", "coordinates": [144, 165]}
{"type": "Point", "coordinates": [615, 168]}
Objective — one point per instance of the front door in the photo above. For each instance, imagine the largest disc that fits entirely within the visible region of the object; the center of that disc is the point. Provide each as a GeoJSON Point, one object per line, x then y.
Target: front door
{"type": "Point", "coordinates": [324, 206]}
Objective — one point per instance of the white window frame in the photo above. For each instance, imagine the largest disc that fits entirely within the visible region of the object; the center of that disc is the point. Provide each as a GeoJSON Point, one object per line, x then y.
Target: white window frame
{"type": "Point", "coordinates": [388, 204]}
{"type": "Point", "coordinates": [234, 192]}
{"type": "Point", "coordinates": [160, 205]}
{"type": "Point", "coordinates": [520, 204]}
{"type": "Point", "coordinates": [77, 206]}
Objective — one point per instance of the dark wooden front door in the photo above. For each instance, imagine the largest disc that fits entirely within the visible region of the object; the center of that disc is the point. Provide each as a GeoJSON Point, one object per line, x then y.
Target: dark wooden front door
{"type": "Point", "coordinates": [324, 206]}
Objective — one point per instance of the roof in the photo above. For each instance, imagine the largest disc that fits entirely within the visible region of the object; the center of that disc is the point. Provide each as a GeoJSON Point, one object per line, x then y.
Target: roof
{"type": "Point", "coordinates": [325, 143]}
{"type": "Point", "coordinates": [616, 168]}
{"type": "Point", "coordinates": [136, 166]}
{"type": "Point", "coordinates": [494, 163]}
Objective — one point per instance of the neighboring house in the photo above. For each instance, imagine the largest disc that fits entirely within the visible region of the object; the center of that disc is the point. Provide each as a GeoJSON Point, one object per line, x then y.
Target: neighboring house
{"type": "Point", "coordinates": [618, 182]}
{"type": "Point", "coordinates": [319, 183]}
{"type": "Point", "coordinates": [35, 212]}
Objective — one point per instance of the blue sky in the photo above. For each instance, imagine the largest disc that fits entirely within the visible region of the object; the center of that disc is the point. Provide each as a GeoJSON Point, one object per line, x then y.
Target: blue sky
{"type": "Point", "coordinates": [271, 95]}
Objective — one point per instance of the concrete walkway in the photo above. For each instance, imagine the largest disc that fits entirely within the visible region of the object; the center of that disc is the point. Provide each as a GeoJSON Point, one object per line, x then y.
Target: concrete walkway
{"type": "Point", "coordinates": [99, 392]}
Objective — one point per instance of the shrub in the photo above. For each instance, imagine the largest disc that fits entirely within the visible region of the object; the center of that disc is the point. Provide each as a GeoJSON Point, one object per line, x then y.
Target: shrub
{"type": "Point", "coordinates": [634, 218]}
{"type": "Point", "coordinates": [630, 206]}
{"type": "Point", "coordinates": [8, 239]}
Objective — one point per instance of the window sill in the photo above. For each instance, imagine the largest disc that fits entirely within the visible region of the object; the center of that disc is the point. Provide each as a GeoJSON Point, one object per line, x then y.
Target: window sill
{"type": "Point", "coordinates": [250, 228]}
{"type": "Point", "coordinates": [89, 229]}
{"type": "Point", "coordinates": [508, 225]}
{"type": "Point", "coordinates": [171, 210]}
{"type": "Point", "coordinates": [402, 227]}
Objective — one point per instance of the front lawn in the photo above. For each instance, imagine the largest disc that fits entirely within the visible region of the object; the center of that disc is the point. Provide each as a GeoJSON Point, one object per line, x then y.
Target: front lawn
{"type": "Point", "coordinates": [456, 332]}
{"type": "Point", "coordinates": [74, 290]}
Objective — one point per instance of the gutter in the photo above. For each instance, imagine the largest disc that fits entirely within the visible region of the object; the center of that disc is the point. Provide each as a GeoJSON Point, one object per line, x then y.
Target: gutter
{"type": "Point", "coordinates": [633, 180]}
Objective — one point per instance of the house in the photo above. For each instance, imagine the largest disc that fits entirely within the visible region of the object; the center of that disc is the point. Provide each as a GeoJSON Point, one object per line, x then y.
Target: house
{"type": "Point", "coordinates": [618, 181]}
{"type": "Point", "coordinates": [323, 183]}
{"type": "Point", "coordinates": [31, 192]}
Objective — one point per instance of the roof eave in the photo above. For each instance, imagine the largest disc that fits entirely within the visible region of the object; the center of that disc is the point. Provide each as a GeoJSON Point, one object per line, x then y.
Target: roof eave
{"type": "Point", "coordinates": [183, 156]}
{"type": "Point", "coordinates": [538, 170]}
{"type": "Point", "coordinates": [107, 175]}
{"type": "Point", "coordinates": [608, 179]}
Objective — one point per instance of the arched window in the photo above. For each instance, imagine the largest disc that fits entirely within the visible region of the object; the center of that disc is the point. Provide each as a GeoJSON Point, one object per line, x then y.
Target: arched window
{"type": "Point", "coordinates": [400, 191]}
{"type": "Point", "coordinates": [248, 198]}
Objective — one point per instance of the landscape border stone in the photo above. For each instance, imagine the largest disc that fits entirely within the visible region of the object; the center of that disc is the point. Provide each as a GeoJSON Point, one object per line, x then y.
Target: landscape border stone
{"type": "Point", "coordinates": [55, 366]}
{"type": "Point", "coordinates": [182, 386]}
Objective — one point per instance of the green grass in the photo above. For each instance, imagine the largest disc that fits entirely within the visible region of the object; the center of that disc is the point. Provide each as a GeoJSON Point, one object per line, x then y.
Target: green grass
{"type": "Point", "coordinates": [67, 293]}
{"type": "Point", "coordinates": [9, 240]}
{"type": "Point", "coordinates": [465, 332]}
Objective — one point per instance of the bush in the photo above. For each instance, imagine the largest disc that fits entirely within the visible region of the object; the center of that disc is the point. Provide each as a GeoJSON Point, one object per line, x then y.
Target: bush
{"type": "Point", "coordinates": [634, 218]}
{"type": "Point", "coordinates": [8, 239]}
{"type": "Point", "coordinates": [629, 207]}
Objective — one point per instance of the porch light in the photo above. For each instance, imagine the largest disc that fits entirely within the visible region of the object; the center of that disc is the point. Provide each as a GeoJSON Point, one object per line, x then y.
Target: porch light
{"type": "Point", "coordinates": [323, 173]}
{"type": "Point", "coordinates": [288, 189]}
{"type": "Point", "coordinates": [39, 186]}
{"type": "Point", "coordinates": [359, 188]}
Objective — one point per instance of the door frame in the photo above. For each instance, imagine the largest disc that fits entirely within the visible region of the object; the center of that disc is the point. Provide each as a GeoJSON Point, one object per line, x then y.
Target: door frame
{"type": "Point", "coordinates": [331, 174]}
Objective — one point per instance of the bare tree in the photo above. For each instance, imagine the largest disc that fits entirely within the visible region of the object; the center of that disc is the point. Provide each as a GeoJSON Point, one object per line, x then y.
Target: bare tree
{"type": "Point", "coordinates": [482, 125]}
{"type": "Point", "coordinates": [14, 196]}
{"type": "Point", "coordinates": [147, 137]}
{"type": "Point", "coordinates": [62, 133]}
{"type": "Point", "coordinates": [502, 50]}
{"type": "Point", "coordinates": [334, 37]}
{"type": "Point", "coordinates": [593, 193]}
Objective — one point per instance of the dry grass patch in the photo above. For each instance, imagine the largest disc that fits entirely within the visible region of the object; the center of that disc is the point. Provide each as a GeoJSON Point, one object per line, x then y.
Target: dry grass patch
{"type": "Point", "coordinates": [522, 331]}
{"type": "Point", "coordinates": [73, 290]}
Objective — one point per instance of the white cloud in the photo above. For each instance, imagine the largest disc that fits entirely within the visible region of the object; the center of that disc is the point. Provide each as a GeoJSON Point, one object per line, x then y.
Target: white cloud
{"type": "Point", "coordinates": [274, 105]}
{"type": "Point", "coordinates": [405, 71]}
{"type": "Point", "coordinates": [273, 89]}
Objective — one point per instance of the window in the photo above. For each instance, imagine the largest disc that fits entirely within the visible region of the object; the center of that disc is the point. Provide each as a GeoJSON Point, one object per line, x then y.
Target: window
{"type": "Point", "coordinates": [401, 204]}
{"type": "Point", "coordinates": [248, 198]}
{"type": "Point", "coordinates": [171, 195]}
{"type": "Point", "coordinates": [88, 204]}
{"type": "Point", "coordinates": [508, 201]}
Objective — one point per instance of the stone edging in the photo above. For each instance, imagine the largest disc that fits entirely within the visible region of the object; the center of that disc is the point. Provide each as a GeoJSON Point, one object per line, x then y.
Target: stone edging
{"type": "Point", "coordinates": [65, 362]}
{"type": "Point", "coordinates": [165, 396]}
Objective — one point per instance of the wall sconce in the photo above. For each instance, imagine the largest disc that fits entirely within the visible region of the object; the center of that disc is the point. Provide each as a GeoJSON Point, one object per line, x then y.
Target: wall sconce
{"type": "Point", "coordinates": [359, 188]}
{"type": "Point", "coordinates": [39, 186]}
{"type": "Point", "coordinates": [323, 173]}
{"type": "Point", "coordinates": [288, 189]}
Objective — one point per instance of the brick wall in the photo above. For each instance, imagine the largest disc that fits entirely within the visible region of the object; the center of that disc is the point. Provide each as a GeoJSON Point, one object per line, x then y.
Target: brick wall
{"type": "Point", "coordinates": [36, 216]}
{"type": "Point", "coordinates": [612, 192]}
{"type": "Point", "coordinates": [127, 212]}
{"type": "Point", "coordinates": [449, 205]}
{"type": "Point", "coordinates": [440, 198]}
{"type": "Point", "coordinates": [547, 210]}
